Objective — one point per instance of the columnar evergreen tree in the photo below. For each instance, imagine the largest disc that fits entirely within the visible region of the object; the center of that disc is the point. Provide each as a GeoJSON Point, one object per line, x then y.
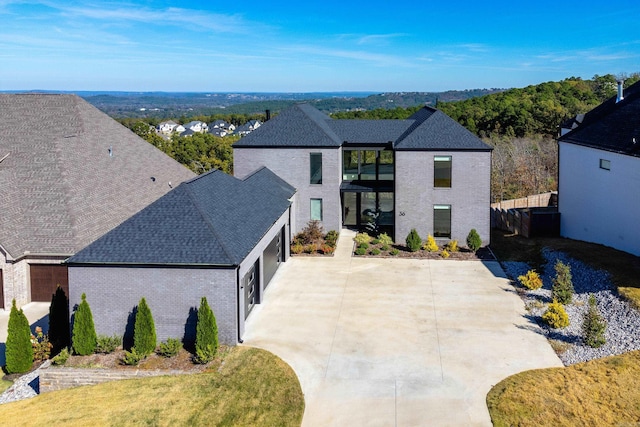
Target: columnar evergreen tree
{"type": "Point", "coordinates": [413, 241]}
{"type": "Point", "coordinates": [84, 332]}
{"type": "Point", "coordinates": [593, 326]}
{"type": "Point", "coordinates": [473, 240]}
{"type": "Point", "coordinates": [206, 333]}
{"type": "Point", "coordinates": [144, 330]}
{"type": "Point", "coordinates": [18, 352]}
{"type": "Point", "coordinates": [562, 288]}
{"type": "Point", "coordinates": [59, 334]}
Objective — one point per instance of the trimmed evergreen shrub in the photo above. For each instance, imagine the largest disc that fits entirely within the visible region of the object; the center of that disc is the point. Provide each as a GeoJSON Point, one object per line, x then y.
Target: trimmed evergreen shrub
{"type": "Point", "coordinates": [394, 252]}
{"type": "Point", "coordinates": [445, 254]}
{"type": "Point", "coordinates": [562, 288]}
{"type": "Point", "coordinates": [531, 280]}
{"type": "Point", "coordinates": [384, 247]}
{"type": "Point", "coordinates": [361, 251]}
{"type": "Point", "coordinates": [107, 344]}
{"type": "Point", "coordinates": [385, 239]}
{"type": "Point", "coordinates": [593, 326]}
{"type": "Point", "coordinates": [59, 334]}
{"type": "Point", "coordinates": [452, 246]}
{"type": "Point", "coordinates": [206, 333]}
{"type": "Point", "coordinates": [556, 316]}
{"type": "Point", "coordinates": [84, 337]}
{"type": "Point", "coordinates": [363, 245]}
{"type": "Point", "coordinates": [473, 240]}
{"type": "Point", "coordinates": [61, 358]}
{"type": "Point", "coordinates": [362, 238]}
{"type": "Point", "coordinates": [169, 348]}
{"type": "Point", "coordinates": [132, 357]}
{"type": "Point", "coordinates": [144, 330]}
{"type": "Point", "coordinates": [18, 351]}
{"type": "Point", "coordinates": [430, 245]}
{"type": "Point", "coordinates": [375, 251]}
{"type": "Point", "coordinates": [413, 240]}
{"type": "Point", "coordinates": [331, 238]}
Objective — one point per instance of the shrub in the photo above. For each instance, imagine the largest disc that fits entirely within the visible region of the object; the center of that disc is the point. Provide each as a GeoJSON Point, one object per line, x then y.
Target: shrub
{"type": "Point", "coordinates": [473, 240]}
{"type": "Point", "coordinates": [593, 326]}
{"type": "Point", "coordinates": [375, 251]}
{"type": "Point", "coordinates": [84, 332]}
{"type": "Point", "coordinates": [107, 344]}
{"type": "Point", "coordinates": [132, 357]}
{"type": "Point", "coordinates": [384, 247]}
{"type": "Point", "coordinates": [363, 245]}
{"type": "Point", "coordinates": [61, 358]}
{"type": "Point", "coordinates": [41, 345]}
{"type": "Point", "coordinates": [59, 335]}
{"type": "Point", "coordinates": [375, 241]}
{"type": "Point", "coordinates": [169, 348]}
{"type": "Point", "coordinates": [562, 288]}
{"type": "Point", "coordinates": [556, 316]}
{"type": "Point", "coordinates": [531, 280]}
{"type": "Point", "coordinates": [312, 233]}
{"type": "Point", "coordinates": [327, 249]}
{"type": "Point", "coordinates": [362, 238]}
{"type": "Point", "coordinates": [430, 245]}
{"type": "Point", "coordinates": [331, 238]}
{"type": "Point", "coordinates": [445, 254]}
{"type": "Point", "coordinates": [144, 330]}
{"type": "Point", "coordinates": [385, 239]}
{"type": "Point", "coordinates": [18, 349]}
{"type": "Point", "coordinates": [361, 251]}
{"type": "Point", "coordinates": [413, 240]}
{"type": "Point", "coordinates": [297, 248]}
{"type": "Point", "coordinates": [452, 246]}
{"type": "Point", "coordinates": [206, 334]}
{"type": "Point", "coordinates": [394, 252]}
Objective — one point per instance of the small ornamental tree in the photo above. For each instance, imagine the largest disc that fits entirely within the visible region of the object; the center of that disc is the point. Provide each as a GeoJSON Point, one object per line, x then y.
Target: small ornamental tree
{"type": "Point", "coordinates": [206, 333]}
{"type": "Point", "coordinates": [84, 337]}
{"type": "Point", "coordinates": [144, 330]}
{"type": "Point", "coordinates": [59, 335]}
{"type": "Point", "coordinates": [413, 240]}
{"type": "Point", "coordinates": [473, 240]}
{"type": "Point", "coordinates": [556, 316]}
{"type": "Point", "coordinates": [430, 245]}
{"type": "Point", "coordinates": [18, 351]}
{"type": "Point", "coordinates": [562, 288]}
{"type": "Point", "coordinates": [593, 326]}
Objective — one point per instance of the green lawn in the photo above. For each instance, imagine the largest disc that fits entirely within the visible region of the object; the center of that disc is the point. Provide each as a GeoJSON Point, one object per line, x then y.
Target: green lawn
{"type": "Point", "coordinates": [4, 384]}
{"type": "Point", "coordinates": [596, 393]}
{"type": "Point", "coordinates": [251, 387]}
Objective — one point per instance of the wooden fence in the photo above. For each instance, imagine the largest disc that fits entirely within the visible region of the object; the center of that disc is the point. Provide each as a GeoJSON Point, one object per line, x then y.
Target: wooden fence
{"type": "Point", "coordinates": [531, 216]}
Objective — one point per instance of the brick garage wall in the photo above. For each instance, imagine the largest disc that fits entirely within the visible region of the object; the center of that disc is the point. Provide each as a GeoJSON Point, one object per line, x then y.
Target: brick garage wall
{"type": "Point", "coordinates": [173, 295]}
{"type": "Point", "coordinates": [292, 165]}
{"type": "Point", "coordinates": [469, 195]}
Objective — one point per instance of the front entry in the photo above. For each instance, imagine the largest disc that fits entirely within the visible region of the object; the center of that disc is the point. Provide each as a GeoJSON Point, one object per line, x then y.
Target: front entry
{"type": "Point", "coordinates": [368, 211]}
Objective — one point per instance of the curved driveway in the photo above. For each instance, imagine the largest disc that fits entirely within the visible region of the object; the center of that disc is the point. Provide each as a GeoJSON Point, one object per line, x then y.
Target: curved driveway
{"type": "Point", "coordinates": [396, 342]}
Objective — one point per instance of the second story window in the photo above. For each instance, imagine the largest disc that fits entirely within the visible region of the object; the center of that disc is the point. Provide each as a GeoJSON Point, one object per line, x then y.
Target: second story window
{"type": "Point", "coordinates": [442, 171]}
{"type": "Point", "coordinates": [315, 169]}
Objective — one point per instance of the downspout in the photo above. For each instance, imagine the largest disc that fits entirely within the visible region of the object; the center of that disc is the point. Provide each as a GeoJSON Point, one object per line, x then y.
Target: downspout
{"type": "Point", "coordinates": [240, 294]}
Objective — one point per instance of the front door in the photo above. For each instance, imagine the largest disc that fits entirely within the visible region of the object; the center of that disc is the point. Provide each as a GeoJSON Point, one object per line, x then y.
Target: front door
{"type": "Point", "coordinates": [368, 211]}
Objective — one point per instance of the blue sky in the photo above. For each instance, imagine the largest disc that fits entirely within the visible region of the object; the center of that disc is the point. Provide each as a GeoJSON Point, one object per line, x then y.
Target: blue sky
{"type": "Point", "coordinates": [286, 46]}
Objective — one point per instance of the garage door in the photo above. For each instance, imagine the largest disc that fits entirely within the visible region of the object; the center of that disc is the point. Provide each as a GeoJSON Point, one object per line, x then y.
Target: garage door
{"type": "Point", "coordinates": [250, 284]}
{"type": "Point", "coordinates": [272, 257]}
{"type": "Point", "coordinates": [45, 278]}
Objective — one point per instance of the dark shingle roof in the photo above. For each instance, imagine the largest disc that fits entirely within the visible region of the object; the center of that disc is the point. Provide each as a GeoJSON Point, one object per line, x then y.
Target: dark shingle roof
{"type": "Point", "coordinates": [214, 219]}
{"type": "Point", "coordinates": [611, 126]}
{"type": "Point", "coordinates": [72, 174]}
{"type": "Point", "coordinates": [304, 126]}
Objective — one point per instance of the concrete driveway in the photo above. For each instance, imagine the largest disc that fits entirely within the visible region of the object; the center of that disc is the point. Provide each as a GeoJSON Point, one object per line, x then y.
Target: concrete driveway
{"type": "Point", "coordinates": [396, 342]}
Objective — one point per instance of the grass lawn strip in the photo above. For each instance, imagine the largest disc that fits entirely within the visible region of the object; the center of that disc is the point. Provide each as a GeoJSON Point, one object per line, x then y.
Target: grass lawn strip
{"type": "Point", "coordinates": [251, 387]}
{"type": "Point", "coordinates": [4, 384]}
{"type": "Point", "coordinates": [595, 393]}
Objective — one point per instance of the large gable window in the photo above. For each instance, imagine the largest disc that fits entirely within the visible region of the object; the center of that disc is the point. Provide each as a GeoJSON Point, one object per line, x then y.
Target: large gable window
{"type": "Point", "coordinates": [315, 168]}
{"type": "Point", "coordinates": [442, 221]}
{"type": "Point", "coordinates": [442, 171]}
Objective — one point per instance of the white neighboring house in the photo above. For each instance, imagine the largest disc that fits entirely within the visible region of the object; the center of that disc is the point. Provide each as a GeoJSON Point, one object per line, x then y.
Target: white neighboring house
{"type": "Point", "coordinates": [221, 124]}
{"type": "Point", "coordinates": [218, 132]}
{"type": "Point", "coordinates": [167, 127]}
{"type": "Point", "coordinates": [599, 175]}
{"type": "Point", "coordinates": [248, 127]}
{"type": "Point", "coordinates": [197, 126]}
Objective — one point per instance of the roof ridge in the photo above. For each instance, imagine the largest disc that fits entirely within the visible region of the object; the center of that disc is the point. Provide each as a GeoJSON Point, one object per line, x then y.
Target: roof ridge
{"type": "Point", "coordinates": [205, 218]}
{"type": "Point", "coordinates": [323, 124]}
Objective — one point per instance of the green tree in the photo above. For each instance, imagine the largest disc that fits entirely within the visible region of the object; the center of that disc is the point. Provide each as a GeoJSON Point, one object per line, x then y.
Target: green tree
{"type": "Point", "coordinates": [18, 352]}
{"type": "Point", "coordinates": [413, 240]}
{"type": "Point", "coordinates": [206, 333]}
{"type": "Point", "coordinates": [84, 337]}
{"type": "Point", "coordinates": [144, 330]}
{"type": "Point", "coordinates": [562, 288]}
{"type": "Point", "coordinates": [593, 326]}
{"type": "Point", "coordinates": [473, 240]}
{"type": "Point", "coordinates": [59, 334]}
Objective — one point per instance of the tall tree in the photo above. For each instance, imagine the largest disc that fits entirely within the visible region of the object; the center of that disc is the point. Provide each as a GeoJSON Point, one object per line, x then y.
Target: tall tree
{"type": "Point", "coordinates": [144, 333]}
{"type": "Point", "coordinates": [59, 334]}
{"type": "Point", "coordinates": [84, 337]}
{"type": "Point", "coordinates": [19, 351]}
{"type": "Point", "coordinates": [206, 333]}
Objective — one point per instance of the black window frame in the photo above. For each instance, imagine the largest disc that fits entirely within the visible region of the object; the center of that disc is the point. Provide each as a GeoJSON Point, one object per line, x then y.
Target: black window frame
{"type": "Point", "coordinates": [315, 168]}
{"type": "Point", "coordinates": [446, 182]}
{"type": "Point", "coordinates": [437, 221]}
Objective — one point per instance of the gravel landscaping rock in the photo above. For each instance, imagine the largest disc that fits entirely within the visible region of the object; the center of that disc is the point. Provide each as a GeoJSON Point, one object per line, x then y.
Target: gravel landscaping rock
{"type": "Point", "coordinates": [623, 321]}
{"type": "Point", "coordinates": [25, 387]}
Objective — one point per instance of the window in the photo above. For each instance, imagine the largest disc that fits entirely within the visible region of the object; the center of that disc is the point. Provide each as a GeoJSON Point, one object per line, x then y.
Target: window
{"type": "Point", "coordinates": [316, 210]}
{"type": "Point", "coordinates": [315, 168]}
{"type": "Point", "coordinates": [442, 171]}
{"type": "Point", "coordinates": [442, 221]}
{"type": "Point", "coordinates": [605, 164]}
{"type": "Point", "coordinates": [367, 165]}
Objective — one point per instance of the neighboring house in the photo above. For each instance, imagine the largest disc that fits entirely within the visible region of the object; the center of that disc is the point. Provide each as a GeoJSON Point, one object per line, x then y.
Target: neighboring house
{"type": "Point", "coordinates": [248, 127]}
{"type": "Point", "coordinates": [427, 172]}
{"type": "Point", "coordinates": [167, 127]}
{"type": "Point", "coordinates": [218, 132]}
{"type": "Point", "coordinates": [221, 124]}
{"type": "Point", "coordinates": [69, 173]}
{"type": "Point", "coordinates": [197, 126]}
{"type": "Point", "coordinates": [179, 129]}
{"type": "Point", "coordinates": [188, 132]}
{"type": "Point", "coordinates": [599, 175]}
{"type": "Point", "coordinates": [214, 236]}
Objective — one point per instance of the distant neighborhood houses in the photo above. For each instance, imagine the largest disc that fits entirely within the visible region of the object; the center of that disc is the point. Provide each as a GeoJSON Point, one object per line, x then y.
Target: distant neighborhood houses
{"type": "Point", "coordinates": [219, 128]}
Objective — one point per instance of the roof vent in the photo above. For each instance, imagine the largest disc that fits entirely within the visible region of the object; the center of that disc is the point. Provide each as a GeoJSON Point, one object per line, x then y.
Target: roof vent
{"type": "Point", "coordinates": [111, 151]}
{"type": "Point", "coordinates": [620, 91]}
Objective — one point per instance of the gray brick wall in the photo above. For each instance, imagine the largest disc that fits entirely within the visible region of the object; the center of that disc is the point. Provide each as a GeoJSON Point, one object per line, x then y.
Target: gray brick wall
{"type": "Point", "coordinates": [469, 195]}
{"type": "Point", "coordinates": [113, 292]}
{"type": "Point", "coordinates": [292, 165]}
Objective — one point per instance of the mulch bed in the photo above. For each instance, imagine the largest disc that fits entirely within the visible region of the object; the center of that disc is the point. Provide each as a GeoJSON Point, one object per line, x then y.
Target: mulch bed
{"type": "Point", "coordinates": [483, 254]}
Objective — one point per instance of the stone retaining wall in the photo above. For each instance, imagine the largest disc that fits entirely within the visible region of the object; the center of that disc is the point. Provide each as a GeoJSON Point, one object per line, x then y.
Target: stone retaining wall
{"type": "Point", "coordinates": [59, 378]}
